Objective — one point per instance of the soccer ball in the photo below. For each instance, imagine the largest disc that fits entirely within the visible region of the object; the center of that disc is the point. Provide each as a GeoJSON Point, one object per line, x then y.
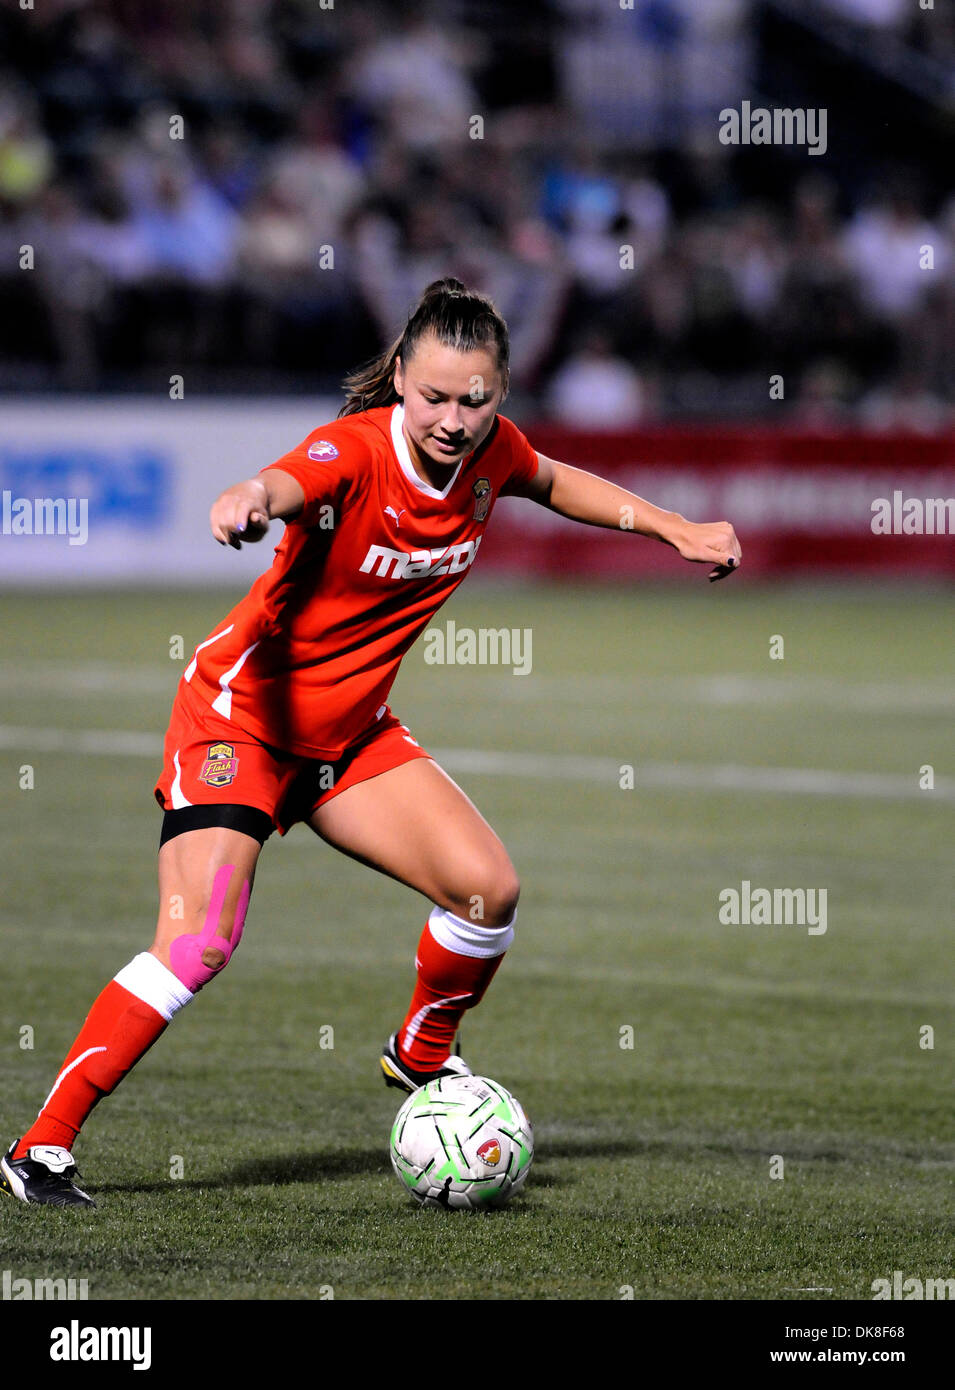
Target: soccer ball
{"type": "Point", "coordinates": [462, 1141]}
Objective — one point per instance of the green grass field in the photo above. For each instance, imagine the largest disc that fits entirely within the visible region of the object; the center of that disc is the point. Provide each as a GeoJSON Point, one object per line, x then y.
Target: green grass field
{"type": "Point", "coordinates": [653, 1166]}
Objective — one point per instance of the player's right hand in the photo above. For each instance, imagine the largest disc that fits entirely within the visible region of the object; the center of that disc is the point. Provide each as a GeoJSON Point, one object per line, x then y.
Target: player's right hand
{"type": "Point", "coordinates": [710, 542]}
{"type": "Point", "coordinates": [240, 514]}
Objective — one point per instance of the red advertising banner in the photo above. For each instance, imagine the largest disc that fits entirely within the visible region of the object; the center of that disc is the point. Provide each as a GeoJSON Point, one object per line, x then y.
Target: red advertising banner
{"type": "Point", "coordinates": [830, 503]}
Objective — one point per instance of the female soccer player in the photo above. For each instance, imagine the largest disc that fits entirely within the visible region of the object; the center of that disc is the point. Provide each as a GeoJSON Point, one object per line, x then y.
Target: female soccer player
{"type": "Point", "coordinates": [281, 714]}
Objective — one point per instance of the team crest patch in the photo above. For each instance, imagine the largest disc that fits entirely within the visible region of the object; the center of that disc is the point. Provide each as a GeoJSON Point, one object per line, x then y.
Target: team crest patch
{"type": "Point", "coordinates": [221, 765]}
{"type": "Point", "coordinates": [490, 1152]}
{"type": "Point", "coordinates": [321, 450]}
{"type": "Point", "coordinates": [482, 492]}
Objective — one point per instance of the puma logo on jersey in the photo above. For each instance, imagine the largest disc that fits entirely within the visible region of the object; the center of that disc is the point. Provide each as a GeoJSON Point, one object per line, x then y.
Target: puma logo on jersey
{"type": "Point", "coordinates": [390, 511]}
{"type": "Point", "coordinates": [419, 564]}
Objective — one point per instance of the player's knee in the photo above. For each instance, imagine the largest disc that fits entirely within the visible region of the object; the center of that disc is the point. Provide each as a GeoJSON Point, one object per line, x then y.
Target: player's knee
{"type": "Point", "coordinates": [503, 901]}
{"type": "Point", "coordinates": [494, 899]}
{"type": "Point", "coordinates": [193, 964]}
{"type": "Point", "coordinates": [195, 957]}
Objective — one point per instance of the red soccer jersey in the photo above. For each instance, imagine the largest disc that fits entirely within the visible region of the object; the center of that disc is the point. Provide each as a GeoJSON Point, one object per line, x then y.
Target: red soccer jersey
{"type": "Point", "coordinates": [307, 658]}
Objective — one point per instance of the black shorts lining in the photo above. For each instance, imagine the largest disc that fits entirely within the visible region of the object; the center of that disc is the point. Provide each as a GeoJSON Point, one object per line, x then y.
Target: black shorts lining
{"type": "Point", "coordinates": [248, 820]}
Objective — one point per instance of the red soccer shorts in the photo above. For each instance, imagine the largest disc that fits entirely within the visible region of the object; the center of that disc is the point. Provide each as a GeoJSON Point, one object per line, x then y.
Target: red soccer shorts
{"type": "Point", "coordinates": [208, 760]}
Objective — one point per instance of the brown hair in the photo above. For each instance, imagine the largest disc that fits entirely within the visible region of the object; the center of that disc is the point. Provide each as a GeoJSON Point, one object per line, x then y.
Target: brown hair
{"type": "Point", "coordinates": [458, 317]}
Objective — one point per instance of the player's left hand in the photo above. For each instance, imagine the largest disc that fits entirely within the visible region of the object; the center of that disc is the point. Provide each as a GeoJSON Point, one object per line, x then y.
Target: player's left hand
{"type": "Point", "coordinates": [710, 542]}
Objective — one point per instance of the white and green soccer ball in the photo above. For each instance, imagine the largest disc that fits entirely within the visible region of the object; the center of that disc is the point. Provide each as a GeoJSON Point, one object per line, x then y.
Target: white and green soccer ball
{"type": "Point", "coordinates": [462, 1141]}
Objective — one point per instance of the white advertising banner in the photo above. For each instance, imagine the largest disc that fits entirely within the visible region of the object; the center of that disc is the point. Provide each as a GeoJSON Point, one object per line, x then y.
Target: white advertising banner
{"type": "Point", "coordinates": [118, 490]}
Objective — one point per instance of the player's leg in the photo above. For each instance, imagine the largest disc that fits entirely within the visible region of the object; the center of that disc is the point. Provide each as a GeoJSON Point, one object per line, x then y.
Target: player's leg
{"type": "Point", "coordinates": [205, 879]}
{"type": "Point", "coordinates": [205, 882]}
{"type": "Point", "coordinates": [415, 824]}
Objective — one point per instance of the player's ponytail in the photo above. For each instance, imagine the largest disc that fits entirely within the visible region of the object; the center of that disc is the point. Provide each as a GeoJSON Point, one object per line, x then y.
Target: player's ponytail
{"type": "Point", "coordinates": [458, 317]}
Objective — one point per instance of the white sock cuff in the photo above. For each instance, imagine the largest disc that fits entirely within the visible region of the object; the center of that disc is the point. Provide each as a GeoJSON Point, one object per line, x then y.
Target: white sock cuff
{"type": "Point", "coordinates": [150, 981]}
{"type": "Point", "coordinates": [468, 939]}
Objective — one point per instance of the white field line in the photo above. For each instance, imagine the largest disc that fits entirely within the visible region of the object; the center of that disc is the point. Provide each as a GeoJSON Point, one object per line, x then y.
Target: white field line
{"type": "Point", "coordinates": [784, 781]}
{"type": "Point", "coordinates": [933, 696]}
{"type": "Point", "coordinates": [90, 678]}
{"type": "Point", "coordinates": [561, 767]}
{"type": "Point", "coordinates": [97, 741]}
{"type": "Point", "coordinates": [917, 696]}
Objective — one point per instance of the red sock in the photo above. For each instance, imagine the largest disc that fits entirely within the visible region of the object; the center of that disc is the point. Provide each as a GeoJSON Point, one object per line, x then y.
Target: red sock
{"type": "Point", "coordinates": [119, 1029]}
{"type": "Point", "coordinates": [449, 981]}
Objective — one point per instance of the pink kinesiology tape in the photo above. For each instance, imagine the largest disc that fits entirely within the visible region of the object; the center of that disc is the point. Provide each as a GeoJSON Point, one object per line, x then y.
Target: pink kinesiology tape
{"type": "Point", "coordinates": [195, 957]}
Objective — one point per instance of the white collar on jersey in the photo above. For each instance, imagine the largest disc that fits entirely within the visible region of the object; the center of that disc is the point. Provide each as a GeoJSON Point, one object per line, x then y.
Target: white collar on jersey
{"type": "Point", "coordinates": [404, 457]}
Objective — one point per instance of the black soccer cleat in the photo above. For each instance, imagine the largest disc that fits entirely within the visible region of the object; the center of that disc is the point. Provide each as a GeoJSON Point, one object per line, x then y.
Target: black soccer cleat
{"type": "Point", "coordinates": [398, 1073]}
{"type": "Point", "coordinates": [43, 1177]}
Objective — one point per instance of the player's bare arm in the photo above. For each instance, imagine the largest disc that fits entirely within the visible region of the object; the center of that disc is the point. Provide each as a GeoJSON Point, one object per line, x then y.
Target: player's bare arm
{"type": "Point", "coordinates": [595, 501]}
{"type": "Point", "coordinates": [243, 512]}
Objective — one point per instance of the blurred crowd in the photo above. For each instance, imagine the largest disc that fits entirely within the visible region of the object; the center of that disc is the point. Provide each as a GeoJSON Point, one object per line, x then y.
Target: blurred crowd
{"type": "Point", "coordinates": [254, 192]}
